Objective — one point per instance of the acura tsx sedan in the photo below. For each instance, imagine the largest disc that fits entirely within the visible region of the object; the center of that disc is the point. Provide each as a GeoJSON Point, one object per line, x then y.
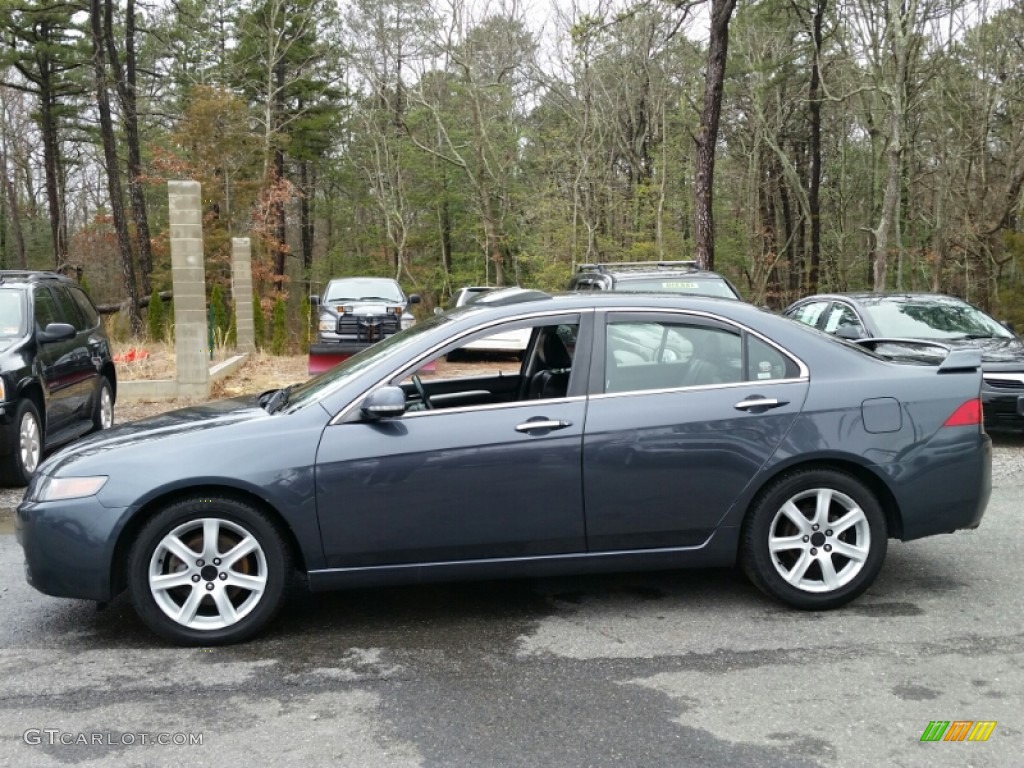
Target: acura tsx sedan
{"type": "Point", "coordinates": [637, 432]}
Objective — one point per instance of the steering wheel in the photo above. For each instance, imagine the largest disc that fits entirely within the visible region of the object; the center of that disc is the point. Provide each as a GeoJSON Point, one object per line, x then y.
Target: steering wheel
{"type": "Point", "coordinates": [421, 391]}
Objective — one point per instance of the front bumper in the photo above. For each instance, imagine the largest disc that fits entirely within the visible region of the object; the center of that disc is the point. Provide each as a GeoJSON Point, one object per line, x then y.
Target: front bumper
{"type": "Point", "coordinates": [1003, 408]}
{"type": "Point", "coordinates": [69, 546]}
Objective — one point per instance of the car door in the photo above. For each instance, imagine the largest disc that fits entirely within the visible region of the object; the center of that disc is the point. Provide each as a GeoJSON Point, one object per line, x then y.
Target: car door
{"type": "Point", "coordinates": [685, 411]}
{"type": "Point", "coordinates": [82, 371]}
{"type": "Point", "coordinates": [54, 363]}
{"type": "Point", "coordinates": [498, 480]}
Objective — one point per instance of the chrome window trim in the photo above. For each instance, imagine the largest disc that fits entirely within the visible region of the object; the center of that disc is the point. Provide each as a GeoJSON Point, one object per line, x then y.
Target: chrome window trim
{"type": "Point", "coordinates": [1018, 377]}
{"type": "Point", "coordinates": [417, 362]}
{"type": "Point", "coordinates": [494, 406]}
{"type": "Point", "coordinates": [698, 388]}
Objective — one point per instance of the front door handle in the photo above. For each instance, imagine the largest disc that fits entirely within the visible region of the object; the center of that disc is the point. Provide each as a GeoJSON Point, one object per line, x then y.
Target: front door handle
{"type": "Point", "coordinates": [759, 403]}
{"type": "Point", "coordinates": [530, 426]}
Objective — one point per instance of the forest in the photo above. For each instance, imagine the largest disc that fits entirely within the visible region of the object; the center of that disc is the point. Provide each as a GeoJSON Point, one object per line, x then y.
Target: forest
{"type": "Point", "coordinates": [793, 145]}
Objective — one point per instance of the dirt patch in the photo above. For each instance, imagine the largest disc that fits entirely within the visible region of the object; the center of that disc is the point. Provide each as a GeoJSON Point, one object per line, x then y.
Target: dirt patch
{"type": "Point", "coordinates": [258, 374]}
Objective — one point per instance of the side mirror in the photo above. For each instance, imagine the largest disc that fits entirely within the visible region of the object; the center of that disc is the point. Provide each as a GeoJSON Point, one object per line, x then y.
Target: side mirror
{"type": "Point", "coordinates": [850, 332]}
{"type": "Point", "coordinates": [314, 300]}
{"type": "Point", "coordinates": [384, 403]}
{"type": "Point", "coordinates": [56, 332]}
{"type": "Point", "coordinates": [414, 298]}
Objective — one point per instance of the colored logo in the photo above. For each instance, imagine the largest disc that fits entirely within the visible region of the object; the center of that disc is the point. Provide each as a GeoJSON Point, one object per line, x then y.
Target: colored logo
{"type": "Point", "coordinates": [958, 730]}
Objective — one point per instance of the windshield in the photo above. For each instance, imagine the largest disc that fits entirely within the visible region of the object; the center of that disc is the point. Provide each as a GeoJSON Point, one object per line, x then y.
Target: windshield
{"type": "Point", "coordinates": [698, 287]}
{"type": "Point", "coordinates": [356, 288]}
{"type": "Point", "coordinates": [12, 313]}
{"type": "Point", "coordinates": [331, 379]}
{"type": "Point", "coordinates": [932, 319]}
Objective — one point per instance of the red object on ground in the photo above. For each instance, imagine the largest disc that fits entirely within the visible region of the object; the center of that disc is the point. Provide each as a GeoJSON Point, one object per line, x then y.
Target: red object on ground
{"type": "Point", "coordinates": [133, 354]}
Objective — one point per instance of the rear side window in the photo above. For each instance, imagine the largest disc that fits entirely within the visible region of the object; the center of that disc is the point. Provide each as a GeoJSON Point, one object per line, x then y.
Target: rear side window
{"type": "Point", "coordinates": [764, 362]}
{"type": "Point", "coordinates": [665, 355]}
{"type": "Point", "coordinates": [85, 306]}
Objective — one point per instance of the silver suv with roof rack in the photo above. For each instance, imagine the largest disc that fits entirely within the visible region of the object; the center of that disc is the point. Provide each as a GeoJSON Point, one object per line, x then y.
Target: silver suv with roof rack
{"type": "Point", "coordinates": [652, 277]}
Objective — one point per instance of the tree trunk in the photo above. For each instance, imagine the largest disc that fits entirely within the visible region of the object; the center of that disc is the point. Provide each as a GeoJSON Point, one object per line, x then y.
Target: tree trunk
{"type": "Point", "coordinates": [814, 182]}
{"type": "Point", "coordinates": [305, 221]}
{"type": "Point", "coordinates": [113, 171]}
{"type": "Point", "coordinates": [707, 135]}
{"type": "Point", "coordinates": [280, 222]}
{"type": "Point", "coordinates": [11, 196]}
{"type": "Point", "coordinates": [126, 93]}
{"type": "Point", "coordinates": [51, 163]}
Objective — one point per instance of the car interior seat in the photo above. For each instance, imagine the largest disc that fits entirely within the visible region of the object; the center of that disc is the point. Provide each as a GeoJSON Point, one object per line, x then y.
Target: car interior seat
{"type": "Point", "coordinates": [553, 378]}
{"type": "Point", "coordinates": [703, 367]}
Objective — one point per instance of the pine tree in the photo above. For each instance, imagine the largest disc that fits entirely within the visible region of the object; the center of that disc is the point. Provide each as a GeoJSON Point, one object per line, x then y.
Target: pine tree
{"type": "Point", "coordinates": [156, 319]}
{"type": "Point", "coordinates": [280, 328]}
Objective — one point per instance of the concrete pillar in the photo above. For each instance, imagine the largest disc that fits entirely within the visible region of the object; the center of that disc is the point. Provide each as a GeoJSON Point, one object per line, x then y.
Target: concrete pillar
{"type": "Point", "coordinates": [241, 290]}
{"type": "Point", "coordinates": [188, 273]}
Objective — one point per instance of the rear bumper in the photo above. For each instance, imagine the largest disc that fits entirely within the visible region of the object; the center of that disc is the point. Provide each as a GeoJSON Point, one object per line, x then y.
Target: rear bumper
{"type": "Point", "coordinates": [946, 486]}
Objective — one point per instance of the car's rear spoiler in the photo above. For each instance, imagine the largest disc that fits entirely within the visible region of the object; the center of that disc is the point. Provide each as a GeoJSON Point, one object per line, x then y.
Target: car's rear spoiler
{"type": "Point", "coordinates": [953, 361]}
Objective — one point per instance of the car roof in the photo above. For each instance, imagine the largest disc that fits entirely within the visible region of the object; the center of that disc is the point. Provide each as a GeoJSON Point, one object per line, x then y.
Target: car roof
{"type": "Point", "coordinates": [20, 277]}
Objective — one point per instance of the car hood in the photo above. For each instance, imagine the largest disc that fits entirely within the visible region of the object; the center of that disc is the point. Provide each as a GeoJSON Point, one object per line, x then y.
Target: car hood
{"type": "Point", "coordinates": [365, 307]}
{"type": "Point", "coordinates": [214, 415]}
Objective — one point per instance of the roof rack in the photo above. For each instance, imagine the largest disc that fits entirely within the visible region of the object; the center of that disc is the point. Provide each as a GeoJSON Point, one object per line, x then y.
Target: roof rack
{"type": "Point", "coordinates": [27, 274]}
{"type": "Point", "coordinates": [606, 265]}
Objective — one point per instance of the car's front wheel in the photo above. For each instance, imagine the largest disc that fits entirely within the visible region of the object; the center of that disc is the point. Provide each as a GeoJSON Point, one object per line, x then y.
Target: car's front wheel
{"type": "Point", "coordinates": [25, 448]}
{"type": "Point", "coordinates": [208, 570]}
{"type": "Point", "coordinates": [815, 539]}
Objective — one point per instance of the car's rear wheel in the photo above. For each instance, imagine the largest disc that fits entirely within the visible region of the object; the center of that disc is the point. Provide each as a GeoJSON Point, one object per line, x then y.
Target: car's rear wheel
{"type": "Point", "coordinates": [815, 539]}
{"type": "Point", "coordinates": [103, 410]}
{"type": "Point", "coordinates": [208, 571]}
{"type": "Point", "coordinates": [26, 445]}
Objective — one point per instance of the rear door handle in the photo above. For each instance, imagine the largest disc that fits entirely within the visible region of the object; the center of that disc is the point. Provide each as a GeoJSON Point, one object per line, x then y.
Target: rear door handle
{"type": "Point", "coordinates": [755, 403]}
{"type": "Point", "coordinates": [530, 426]}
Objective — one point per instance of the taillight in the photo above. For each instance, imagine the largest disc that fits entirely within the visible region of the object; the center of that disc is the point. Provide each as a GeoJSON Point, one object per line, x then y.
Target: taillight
{"type": "Point", "coordinates": [968, 414]}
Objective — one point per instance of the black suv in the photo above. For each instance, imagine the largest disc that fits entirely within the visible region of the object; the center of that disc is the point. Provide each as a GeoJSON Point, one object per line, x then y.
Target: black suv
{"type": "Point", "coordinates": [651, 276]}
{"type": "Point", "coordinates": [57, 379]}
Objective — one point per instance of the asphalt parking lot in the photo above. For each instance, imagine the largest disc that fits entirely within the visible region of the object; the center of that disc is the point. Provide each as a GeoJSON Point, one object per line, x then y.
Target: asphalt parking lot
{"type": "Point", "coordinates": [668, 669]}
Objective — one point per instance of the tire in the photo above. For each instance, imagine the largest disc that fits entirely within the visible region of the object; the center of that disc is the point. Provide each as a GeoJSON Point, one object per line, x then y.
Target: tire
{"type": "Point", "coordinates": [103, 409]}
{"type": "Point", "coordinates": [814, 539]}
{"type": "Point", "coordinates": [455, 356]}
{"type": "Point", "coordinates": [25, 447]}
{"type": "Point", "coordinates": [215, 603]}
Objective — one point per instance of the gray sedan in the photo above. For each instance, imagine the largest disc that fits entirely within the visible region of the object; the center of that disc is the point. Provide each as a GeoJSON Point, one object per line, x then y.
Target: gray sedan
{"type": "Point", "coordinates": [637, 432]}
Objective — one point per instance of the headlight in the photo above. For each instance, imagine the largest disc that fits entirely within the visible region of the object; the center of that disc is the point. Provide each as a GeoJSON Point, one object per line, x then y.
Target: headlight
{"type": "Point", "coordinates": [327, 323]}
{"type": "Point", "coordinates": [60, 488]}
{"type": "Point", "coordinates": [3, 390]}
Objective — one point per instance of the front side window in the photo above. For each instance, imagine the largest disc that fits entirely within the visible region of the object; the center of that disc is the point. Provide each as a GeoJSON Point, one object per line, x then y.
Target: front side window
{"type": "Point", "coordinates": [809, 313]}
{"type": "Point", "coordinates": [509, 363]}
{"type": "Point", "coordinates": [68, 308]}
{"type": "Point", "coordinates": [842, 315]}
{"type": "Point", "coordinates": [46, 310]}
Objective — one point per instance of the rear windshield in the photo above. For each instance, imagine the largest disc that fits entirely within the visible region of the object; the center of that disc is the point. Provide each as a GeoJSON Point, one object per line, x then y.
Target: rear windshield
{"type": "Point", "coordinates": [703, 286]}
